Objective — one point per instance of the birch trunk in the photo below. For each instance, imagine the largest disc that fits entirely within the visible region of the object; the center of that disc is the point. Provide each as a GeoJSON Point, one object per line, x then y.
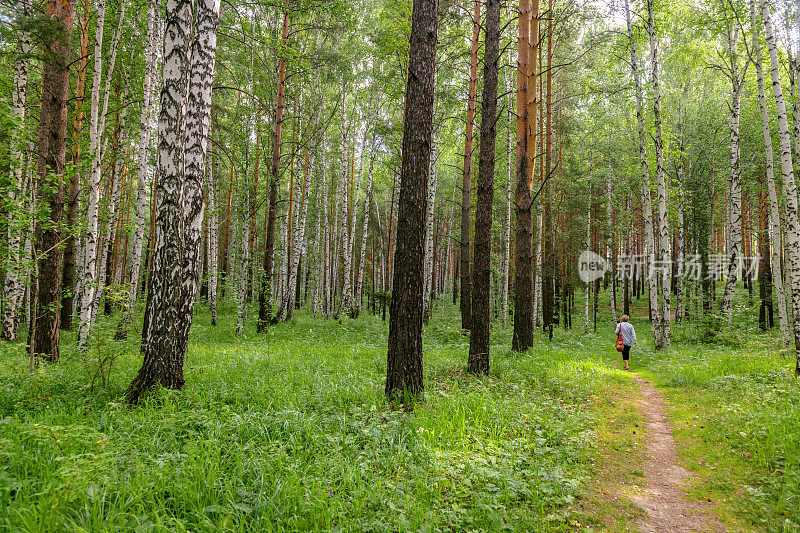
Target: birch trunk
{"type": "Point", "coordinates": [14, 287]}
{"type": "Point", "coordinates": [429, 229]}
{"type": "Point", "coordinates": [734, 183]}
{"type": "Point", "coordinates": [647, 205]}
{"type": "Point", "coordinates": [664, 241]}
{"type": "Point", "coordinates": [507, 224]}
{"type": "Point", "coordinates": [365, 230]}
{"type": "Point", "coordinates": [774, 205]}
{"type": "Point", "coordinates": [185, 101]}
{"type": "Point", "coordinates": [90, 279]}
{"type": "Point", "coordinates": [142, 166]}
{"type": "Point", "coordinates": [300, 235]}
{"type": "Point", "coordinates": [789, 185]}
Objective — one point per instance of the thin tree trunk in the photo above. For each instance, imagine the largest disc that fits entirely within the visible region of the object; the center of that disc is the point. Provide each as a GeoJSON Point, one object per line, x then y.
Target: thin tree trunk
{"type": "Point", "coordinates": [774, 206]}
{"type": "Point", "coordinates": [734, 183]}
{"type": "Point", "coordinates": [647, 205]}
{"type": "Point", "coordinates": [364, 231]}
{"type": "Point", "coordinates": [466, 188]}
{"type": "Point", "coordinates": [664, 241]}
{"type": "Point", "coordinates": [265, 296]}
{"type": "Point", "coordinates": [427, 287]}
{"type": "Point", "coordinates": [14, 289]}
{"type": "Point", "coordinates": [789, 185]}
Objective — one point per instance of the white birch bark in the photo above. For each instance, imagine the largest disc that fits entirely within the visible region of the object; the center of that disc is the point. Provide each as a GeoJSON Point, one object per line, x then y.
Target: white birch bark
{"type": "Point", "coordinates": [143, 169]}
{"type": "Point", "coordinates": [588, 285]}
{"type": "Point", "coordinates": [89, 279]}
{"type": "Point", "coordinates": [213, 243]}
{"type": "Point", "coordinates": [774, 206]}
{"type": "Point", "coordinates": [429, 229]}
{"type": "Point", "coordinates": [14, 287]}
{"type": "Point", "coordinates": [789, 185]}
{"type": "Point", "coordinates": [300, 232]}
{"type": "Point", "coordinates": [365, 230]}
{"type": "Point", "coordinates": [342, 228]}
{"type": "Point", "coordinates": [664, 252]}
{"type": "Point", "coordinates": [647, 204]}
{"type": "Point", "coordinates": [734, 181]}
{"type": "Point", "coordinates": [609, 249]}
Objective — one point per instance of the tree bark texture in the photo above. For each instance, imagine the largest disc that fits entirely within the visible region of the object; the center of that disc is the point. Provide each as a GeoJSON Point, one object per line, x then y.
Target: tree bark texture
{"type": "Point", "coordinates": [479, 334]}
{"type": "Point", "coordinates": [404, 361]}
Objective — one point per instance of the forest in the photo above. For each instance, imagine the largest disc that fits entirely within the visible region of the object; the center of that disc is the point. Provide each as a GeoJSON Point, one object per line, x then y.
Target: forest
{"type": "Point", "coordinates": [415, 265]}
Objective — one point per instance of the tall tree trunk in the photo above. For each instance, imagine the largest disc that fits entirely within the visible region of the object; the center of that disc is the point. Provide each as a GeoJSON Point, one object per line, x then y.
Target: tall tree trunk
{"type": "Point", "coordinates": [142, 166]}
{"type": "Point", "coordinates": [789, 185]}
{"type": "Point", "coordinates": [68, 275]}
{"type": "Point", "coordinates": [774, 206]}
{"type": "Point", "coordinates": [187, 82]}
{"type": "Point", "coordinates": [14, 289]}
{"type": "Point", "coordinates": [734, 182]}
{"type": "Point", "coordinates": [364, 230]}
{"type": "Point", "coordinates": [43, 335]}
{"type": "Point", "coordinates": [90, 280]}
{"type": "Point", "coordinates": [404, 360]}
{"type": "Point", "coordinates": [527, 55]}
{"type": "Point", "coordinates": [265, 296]}
{"type": "Point", "coordinates": [664, 241]}
{"type": "Point", "coordinates": [466, 188]}
{"type": "Point", "coordinates": [507, 200]}
{"type": "Point", "coordinates": [479, 334]}
{"type": "Point", "coordinates": [647, 205]}
{"type": "Point", "coordinates": [427, 288]}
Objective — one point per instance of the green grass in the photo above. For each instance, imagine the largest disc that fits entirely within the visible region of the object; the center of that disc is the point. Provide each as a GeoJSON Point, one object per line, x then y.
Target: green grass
{"type": "Point", "coordinates": [290, 431]}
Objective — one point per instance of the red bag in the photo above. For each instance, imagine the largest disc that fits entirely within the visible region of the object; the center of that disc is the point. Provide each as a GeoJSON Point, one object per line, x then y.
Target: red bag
{"type": "Point", "coordinates": [620, 344]}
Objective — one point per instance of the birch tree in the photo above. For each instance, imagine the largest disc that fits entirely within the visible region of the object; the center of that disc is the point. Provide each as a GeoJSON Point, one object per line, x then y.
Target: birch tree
{"type": "Point", "coordinates": [13, 289]}
{"type": "Point", "coordinates": [789, 185]}
{"type": "Point", "coordinates": [185, 100]}
{"type": "Point", "coordinates": [769, 169]}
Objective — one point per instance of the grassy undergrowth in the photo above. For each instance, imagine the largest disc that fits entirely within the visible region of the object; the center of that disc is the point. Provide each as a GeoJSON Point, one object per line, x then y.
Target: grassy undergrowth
{"type": "Point", "coordinates": [290, 431]}
{"type": "Point", "coordinates": [736, 415]}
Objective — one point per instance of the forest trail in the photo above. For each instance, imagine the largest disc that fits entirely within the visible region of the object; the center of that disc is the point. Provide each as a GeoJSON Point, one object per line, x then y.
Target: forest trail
{"type": "Point", "coordinates": [663, 497]}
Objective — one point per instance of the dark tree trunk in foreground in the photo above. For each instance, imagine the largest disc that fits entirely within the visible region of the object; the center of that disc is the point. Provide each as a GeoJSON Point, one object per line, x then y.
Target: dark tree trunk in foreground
{"type": "Point", "coordinates": [265, 296]}
{"type": "Point", "coordinates": [479, 335]}
{"type": "Point", "coordinates": [52, 153]}
{"type": "Point", "coordinates": [404, 362]}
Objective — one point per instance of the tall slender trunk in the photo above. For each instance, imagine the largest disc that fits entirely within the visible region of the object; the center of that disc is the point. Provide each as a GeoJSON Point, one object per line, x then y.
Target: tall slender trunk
{"type": "Point", "coordinates": [774, 206]}
{"type": "Point", "coordinates": [527, 55]}
{"type": "Point", "coordinates": [90, 280]}
{"type": "Point", "coordinates": [507, 200]}
{"type": "Point", "coordinates": [14, 289]}
{"type": "Point", "coordinates": [734, 182]}
{"type": "Point", "coordinates": [427, 287]}
{"type": "Point", "coordinates": [364, 230]}
{"type": "Point", "coordinates": [789, 185]}
{"type": "Point", "coordinates": [664, 241]}
{"type": "Point", "coordinates": [68, 275]}
{"type": "Point", "coordinates": [142, 166]}
{"type": "Point", "coordinates": [404, 358]}
{"type": "Point", "coordinates": [466, 188]}
{"type": "Point", "coordinates": [265, 296]}
{"type": "Point", "coordinates": [478, 361]}
{"type": "Point", "coordinates": [647, 205]}
{"type": "Point", "coordinates": [43, 335]}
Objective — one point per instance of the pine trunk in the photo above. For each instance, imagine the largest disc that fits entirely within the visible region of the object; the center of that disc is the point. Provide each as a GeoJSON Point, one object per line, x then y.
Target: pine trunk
{"type": "Point", "coordinates": [404, 361]}
{"type": "Point", "coordinates": [479, 334]}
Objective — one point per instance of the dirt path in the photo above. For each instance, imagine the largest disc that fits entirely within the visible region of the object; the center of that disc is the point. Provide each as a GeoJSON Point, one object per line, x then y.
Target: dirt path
{"type": "Point", "coordinates": [663, 498]}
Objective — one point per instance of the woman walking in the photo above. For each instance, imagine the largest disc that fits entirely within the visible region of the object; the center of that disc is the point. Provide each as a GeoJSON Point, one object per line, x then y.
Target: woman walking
{"type": "Point", "coordinates": [628, 334]}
